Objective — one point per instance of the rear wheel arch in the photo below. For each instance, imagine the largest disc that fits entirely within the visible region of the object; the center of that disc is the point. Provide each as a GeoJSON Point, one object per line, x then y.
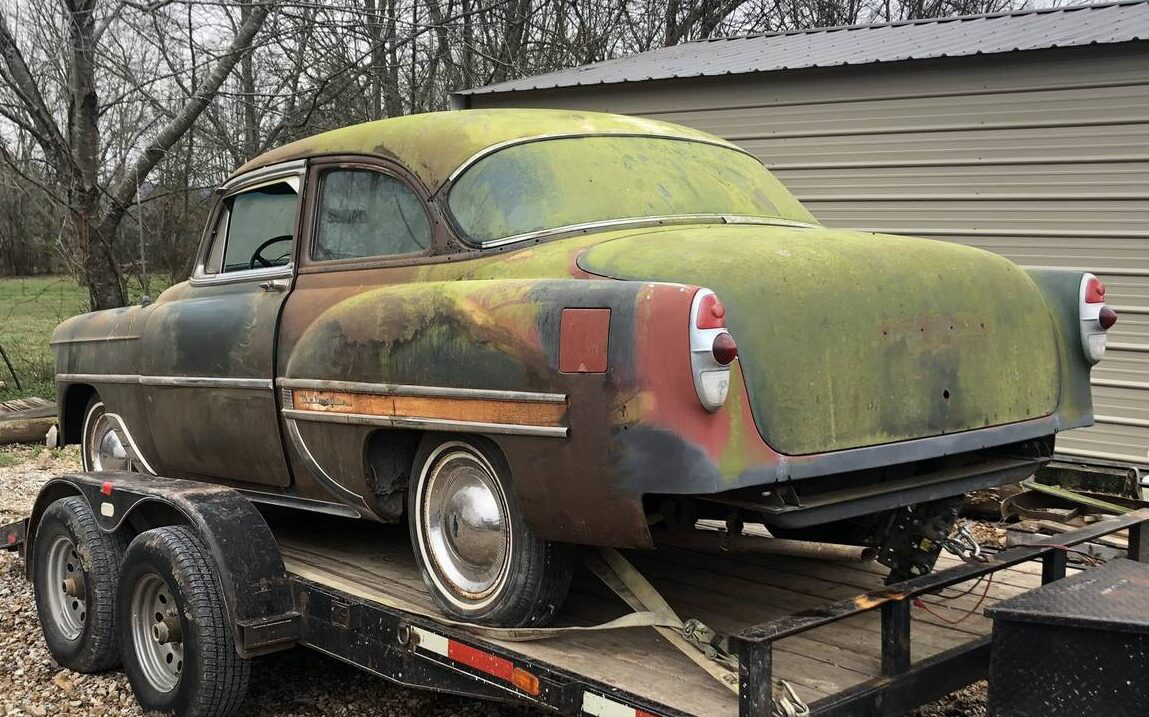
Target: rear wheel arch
{"type": "Point", "coordinates": [389, 456]}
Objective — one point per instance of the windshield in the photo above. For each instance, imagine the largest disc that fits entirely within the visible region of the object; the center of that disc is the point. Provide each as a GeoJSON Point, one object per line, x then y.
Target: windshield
{"type": "Point", "coordinates": [554, 183]}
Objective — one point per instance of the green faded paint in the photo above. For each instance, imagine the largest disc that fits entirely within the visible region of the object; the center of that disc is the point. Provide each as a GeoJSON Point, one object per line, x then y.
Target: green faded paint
{"type": "Point", "coordinates": [555, 183]}
{"type": "Point", "coordinates": [433, 145]}
{"type": "Point", "coordinates": [851, 339]}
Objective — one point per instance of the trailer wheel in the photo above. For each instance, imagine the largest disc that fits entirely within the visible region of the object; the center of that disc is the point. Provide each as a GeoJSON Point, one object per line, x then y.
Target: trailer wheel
{"type": "Point", "coordinates": [179, 651]}
{"type": "Point", "coordinates": [101, 448]}
{"type": "Point", "coordinates": [479, 558]}
{"type": "Point", "coordinates": [75, 570]}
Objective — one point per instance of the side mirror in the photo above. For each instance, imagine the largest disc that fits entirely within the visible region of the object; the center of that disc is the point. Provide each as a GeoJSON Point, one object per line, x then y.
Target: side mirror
{"type": "Point", "coordinates": [145, 300]}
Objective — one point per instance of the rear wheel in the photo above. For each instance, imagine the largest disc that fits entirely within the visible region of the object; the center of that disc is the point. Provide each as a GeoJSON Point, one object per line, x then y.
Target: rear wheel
{"type": "Point", "coordinates": [179, 651]}
{"type": "Point", "coordinates": [479, 558]}
{"type": "Point", "coordinates": [75, 570]}
{"type": "Point", "coordinates": [103, 449]}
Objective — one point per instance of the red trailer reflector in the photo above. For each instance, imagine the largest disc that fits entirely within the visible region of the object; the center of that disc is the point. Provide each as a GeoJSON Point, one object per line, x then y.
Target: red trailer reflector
{"type": "Point", "coordinates": [106, 488]}
{"type": "Point", "coordinates": [477, 659]}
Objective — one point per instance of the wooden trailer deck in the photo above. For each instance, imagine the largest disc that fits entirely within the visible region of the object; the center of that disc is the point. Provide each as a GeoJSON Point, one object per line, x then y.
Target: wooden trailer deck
{"type": "Point", "coordinates": [726, 592]}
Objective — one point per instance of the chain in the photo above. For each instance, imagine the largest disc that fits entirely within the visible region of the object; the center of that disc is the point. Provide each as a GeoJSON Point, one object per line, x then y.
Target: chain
{"type": "Point", "coordinates": [787, 703]}
{"type": "Point", "coordinates": [964, 545]}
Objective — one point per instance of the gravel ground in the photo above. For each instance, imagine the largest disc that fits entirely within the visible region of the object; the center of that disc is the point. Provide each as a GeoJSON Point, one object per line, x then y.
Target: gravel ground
{"type": "Point", "coordinates": [297, 683]}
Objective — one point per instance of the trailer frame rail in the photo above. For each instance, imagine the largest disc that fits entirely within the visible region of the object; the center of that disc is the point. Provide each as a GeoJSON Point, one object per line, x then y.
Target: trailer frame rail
{"type": "Point", "coordinates": [903, 684]}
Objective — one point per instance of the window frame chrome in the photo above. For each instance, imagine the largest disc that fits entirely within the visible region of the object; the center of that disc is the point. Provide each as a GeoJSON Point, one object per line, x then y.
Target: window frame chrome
{"type": "Point", "coordinates": [261, 177]}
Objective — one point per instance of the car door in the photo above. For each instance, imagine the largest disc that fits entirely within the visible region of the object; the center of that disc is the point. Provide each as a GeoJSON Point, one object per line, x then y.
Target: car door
{"type": "Point", "coordinates": [369, 227]}
{"type": "Point", "coordinates": [209, 353]}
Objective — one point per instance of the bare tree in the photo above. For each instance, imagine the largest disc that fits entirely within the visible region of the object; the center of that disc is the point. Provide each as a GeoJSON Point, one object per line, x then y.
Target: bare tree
{"type": "Point", "coordinates": [95, 205]}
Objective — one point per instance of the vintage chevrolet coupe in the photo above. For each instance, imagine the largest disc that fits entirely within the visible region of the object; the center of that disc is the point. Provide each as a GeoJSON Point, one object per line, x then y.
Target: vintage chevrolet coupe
{"type": "Point", "coordinates": [526, 330]}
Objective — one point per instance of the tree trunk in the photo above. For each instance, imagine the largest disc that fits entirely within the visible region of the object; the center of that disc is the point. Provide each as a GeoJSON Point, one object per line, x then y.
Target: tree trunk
{"type": "Point", "coordinates": [100, 273]}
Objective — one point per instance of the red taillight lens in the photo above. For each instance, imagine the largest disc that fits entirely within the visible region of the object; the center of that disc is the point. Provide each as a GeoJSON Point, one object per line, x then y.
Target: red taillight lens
{"type": "Point", "coordinates": [1107, 317]}
{"type": "Point", "coordinates": [711, 313]}
{"type": "Point", "coordinates": [1095, 291]}
{"type": "Point", "coordinates": [725, 349]}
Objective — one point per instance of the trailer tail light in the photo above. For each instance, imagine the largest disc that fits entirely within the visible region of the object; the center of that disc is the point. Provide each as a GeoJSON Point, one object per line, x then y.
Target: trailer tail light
{"type": "Point", "coordinates": [712, 350]}
{"type": "Point", "coordinates": [476, 659]}
{"type": "Point", "coordinates": [1096, 318]}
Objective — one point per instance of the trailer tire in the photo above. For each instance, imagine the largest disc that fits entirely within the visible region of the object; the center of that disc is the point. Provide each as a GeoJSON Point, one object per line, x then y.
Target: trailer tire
{"type": "Point", "coordinates": [178, 645]}
{"type": "Point", "coordinates": [75, 571]}
{"type": "Point", "coordinates": [479, 558]}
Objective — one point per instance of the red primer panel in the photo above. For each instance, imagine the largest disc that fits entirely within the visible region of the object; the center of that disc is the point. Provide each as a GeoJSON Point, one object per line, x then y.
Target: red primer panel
{"type": "Point", "coordinates": [583, 335]}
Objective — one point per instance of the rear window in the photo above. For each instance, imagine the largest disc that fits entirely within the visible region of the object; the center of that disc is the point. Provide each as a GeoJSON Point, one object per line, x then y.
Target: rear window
{"type": "Point", "coordinates": [550, 184]}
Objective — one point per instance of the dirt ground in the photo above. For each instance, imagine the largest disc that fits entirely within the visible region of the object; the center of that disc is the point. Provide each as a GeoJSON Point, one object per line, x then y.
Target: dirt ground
{"type": "Point", "coordinates": [298, 683]}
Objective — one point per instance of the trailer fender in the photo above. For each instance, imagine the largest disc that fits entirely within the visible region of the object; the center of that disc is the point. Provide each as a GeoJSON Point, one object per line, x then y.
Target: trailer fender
{"type": "Point", "coordinates": [257, 592]}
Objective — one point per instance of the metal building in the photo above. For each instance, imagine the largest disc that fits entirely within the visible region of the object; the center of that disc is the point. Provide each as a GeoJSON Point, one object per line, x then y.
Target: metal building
{"type": "Point", "coordinates": [1023, 133]}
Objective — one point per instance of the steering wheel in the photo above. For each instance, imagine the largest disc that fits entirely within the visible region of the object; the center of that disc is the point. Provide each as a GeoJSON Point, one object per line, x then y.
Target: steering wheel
{"type": "Point", "coordinates": [257, 257]}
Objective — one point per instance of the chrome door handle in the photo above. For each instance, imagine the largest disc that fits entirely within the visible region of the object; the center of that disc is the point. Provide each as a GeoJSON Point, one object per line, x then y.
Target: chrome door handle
{"type": "Point", "coordinates": [274, 285]}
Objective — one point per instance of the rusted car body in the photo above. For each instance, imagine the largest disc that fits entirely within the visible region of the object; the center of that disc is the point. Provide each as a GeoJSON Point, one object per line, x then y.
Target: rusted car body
{"type": "Point", "coordinates": [552, 299]}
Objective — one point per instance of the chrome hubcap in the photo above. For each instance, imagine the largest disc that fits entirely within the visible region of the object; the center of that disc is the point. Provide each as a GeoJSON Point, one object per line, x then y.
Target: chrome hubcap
{"type": "Point", "coordinates": [65, 588]}
{"type": "Point", "coordinates": [104, 449]}
{"type": "Point", "coordinates": [465, 524]}
{"type": "Point", "coordinates": [157, 634]}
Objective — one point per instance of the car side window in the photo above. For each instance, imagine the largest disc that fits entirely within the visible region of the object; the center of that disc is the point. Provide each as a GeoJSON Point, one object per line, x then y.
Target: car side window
{"type": "Point", "coordinates": [362, 213]}
{"type": "Point", "coordinates": [255, 229]}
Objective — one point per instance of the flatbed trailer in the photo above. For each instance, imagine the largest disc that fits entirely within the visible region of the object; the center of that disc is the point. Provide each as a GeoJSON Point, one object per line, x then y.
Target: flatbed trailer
{"type": "Point", "coordinates": [842, 640]}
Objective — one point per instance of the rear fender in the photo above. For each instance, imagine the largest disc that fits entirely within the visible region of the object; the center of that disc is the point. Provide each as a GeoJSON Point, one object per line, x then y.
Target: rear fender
{"type": "Point", "coordinates": [441, 339]}
{"type": "Point", "coordinates": [1061, 290]}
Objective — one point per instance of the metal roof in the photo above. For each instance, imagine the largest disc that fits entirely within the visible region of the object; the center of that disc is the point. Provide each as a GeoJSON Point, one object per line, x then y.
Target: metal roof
{"type": "Point", "coordinates": [860, 45]}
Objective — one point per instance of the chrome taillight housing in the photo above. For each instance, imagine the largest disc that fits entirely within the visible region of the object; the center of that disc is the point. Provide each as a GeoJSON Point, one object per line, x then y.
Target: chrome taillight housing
{"type": "Point", "coordinates": [1096, 317]}
{"type": "Point", "coordinates": [712, 350]}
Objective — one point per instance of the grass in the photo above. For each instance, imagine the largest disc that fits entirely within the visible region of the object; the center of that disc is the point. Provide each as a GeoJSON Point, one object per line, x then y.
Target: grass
{"type": "Point", "coordinates": [30, 308]}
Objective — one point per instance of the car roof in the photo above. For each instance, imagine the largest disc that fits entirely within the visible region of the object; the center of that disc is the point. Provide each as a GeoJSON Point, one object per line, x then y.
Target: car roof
{"type": "Point", "coordinates": [435, 144]}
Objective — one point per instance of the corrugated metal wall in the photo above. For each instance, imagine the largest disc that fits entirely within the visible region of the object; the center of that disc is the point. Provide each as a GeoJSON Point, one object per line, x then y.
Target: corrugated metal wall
{"type": "Point", "coordinates": [1041, 156]}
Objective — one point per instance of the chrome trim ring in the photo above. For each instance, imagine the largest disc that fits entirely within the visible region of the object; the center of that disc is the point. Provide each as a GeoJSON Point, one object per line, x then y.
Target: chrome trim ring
{"type": "Point", "coordinates": [463, 532]}
{"type": "Point", "coordinates": [64, 587]}
{"type": "Point", "coordinates": [157, 632]}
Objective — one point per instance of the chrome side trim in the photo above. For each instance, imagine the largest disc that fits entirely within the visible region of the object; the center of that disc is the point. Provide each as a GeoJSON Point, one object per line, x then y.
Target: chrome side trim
{"type": "Point", "coordinates": [182, 381]}
{"type": "Point", "coordinates": [97, 378]}
{"type": "Point", "coordinates": [206, 382]}
{"type": "Point", "coordinates": [122, 427]}
{"type": "Point", "coordinates": [489, 150]}
{"type": "Point", "coordinates": [396, 389]}
{"type": "Point", "coordinates": [297, 503]}
{"type": "Point", "coordinates": [638, 222]}
{"type": "Point", "coordinates": [430, 424]}
{"type": "Point", "coordinates": [345, 496]}
{"type": "Point", "coordinates": [106, 339]}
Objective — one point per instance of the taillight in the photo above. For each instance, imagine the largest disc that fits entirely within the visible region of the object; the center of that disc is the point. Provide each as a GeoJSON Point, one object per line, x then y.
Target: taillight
{"type": "Point", "coordinates": [724, 349]}
{"type": "Point", "coordinates": [711, 313]}
{"type": "Point", "coordinates": [712, 350]}
{"type": "Point", "coordinates": [1094, 290]}
{"type": "Point", "coordinates": [1096, 317]}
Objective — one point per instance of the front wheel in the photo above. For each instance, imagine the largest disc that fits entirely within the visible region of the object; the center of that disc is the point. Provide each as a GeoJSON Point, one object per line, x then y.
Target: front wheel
{"type": "Point", "coordinates": [479, 558]}
{"type": "Point", "coordinates": [102, 449]}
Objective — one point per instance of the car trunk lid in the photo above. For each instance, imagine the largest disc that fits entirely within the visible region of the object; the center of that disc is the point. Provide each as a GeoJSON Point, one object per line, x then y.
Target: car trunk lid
{"type": "Point", "coordinates": [851, 339]}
